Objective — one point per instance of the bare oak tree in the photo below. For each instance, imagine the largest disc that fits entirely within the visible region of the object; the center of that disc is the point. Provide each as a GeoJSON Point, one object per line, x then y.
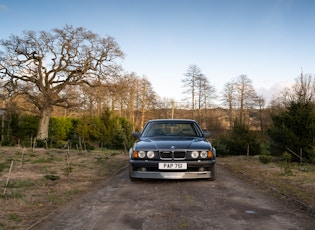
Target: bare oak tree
{"type": "Point", "coordinates": [43, 65]}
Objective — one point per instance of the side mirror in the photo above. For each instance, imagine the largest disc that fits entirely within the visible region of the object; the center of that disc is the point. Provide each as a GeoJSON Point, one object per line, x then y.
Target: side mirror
{"type": "Point", "coordinates": [206, 134]}
{"type": "Point", "coordinates": [136, 134]}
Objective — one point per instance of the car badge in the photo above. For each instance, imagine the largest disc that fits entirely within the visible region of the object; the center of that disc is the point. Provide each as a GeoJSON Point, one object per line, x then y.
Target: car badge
{"type": "Point", "coordinates": [172, 147]}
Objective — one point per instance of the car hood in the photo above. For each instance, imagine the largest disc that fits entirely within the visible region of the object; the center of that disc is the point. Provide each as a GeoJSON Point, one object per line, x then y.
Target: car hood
{"type": "Point", "coordinates": [174, 143]}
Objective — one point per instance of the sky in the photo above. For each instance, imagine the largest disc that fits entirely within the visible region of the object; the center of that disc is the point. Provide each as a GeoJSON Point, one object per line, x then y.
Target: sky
{"type": "Point", "coordinates": [269, 41]}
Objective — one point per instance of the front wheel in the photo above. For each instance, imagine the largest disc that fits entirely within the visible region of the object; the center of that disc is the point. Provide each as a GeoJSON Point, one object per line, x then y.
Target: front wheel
{"type": "Point", "coordinates": [132, 179]}
{"type": "Point", "coordinates": [213, 173]}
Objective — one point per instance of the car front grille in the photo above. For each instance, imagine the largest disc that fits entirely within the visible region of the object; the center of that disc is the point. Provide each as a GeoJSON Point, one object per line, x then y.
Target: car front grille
{"type": "Point", "coordinates": [173, 155]}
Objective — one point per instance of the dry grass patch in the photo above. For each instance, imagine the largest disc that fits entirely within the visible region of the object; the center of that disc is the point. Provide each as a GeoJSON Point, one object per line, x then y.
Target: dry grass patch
{"type": "Point", "coordinates": [43, 180]}
{"type": "Point", "coordinates": [296, 184]}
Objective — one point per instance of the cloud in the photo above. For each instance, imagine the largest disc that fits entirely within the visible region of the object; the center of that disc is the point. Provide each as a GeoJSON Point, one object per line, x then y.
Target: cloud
{"type": "Point", "coordinates": [269, 93]}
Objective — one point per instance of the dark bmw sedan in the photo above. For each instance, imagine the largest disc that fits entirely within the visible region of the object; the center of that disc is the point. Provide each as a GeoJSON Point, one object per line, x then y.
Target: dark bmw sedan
{"type": "Point", "coordinates": [172, 149]}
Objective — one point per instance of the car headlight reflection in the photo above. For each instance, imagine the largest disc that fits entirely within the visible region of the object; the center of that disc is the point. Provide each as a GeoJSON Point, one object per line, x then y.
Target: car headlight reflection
{"type": "Point", "coordinates": [194, 154]}
{"type": "Point", "coordinates": [141, 154]}
{"type": "Point", "coordinates": [150, 154]}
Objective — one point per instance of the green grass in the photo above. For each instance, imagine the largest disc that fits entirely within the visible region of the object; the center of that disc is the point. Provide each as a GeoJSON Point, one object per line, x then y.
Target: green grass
{"type": "Point", "coordinates": [19, 183]}
{"type": "Point", "coordinates": [55, 199]}
{"type": "Point", "coordinates": [14, 217]}
{"type": "Point", "coordinates": [3, 166]}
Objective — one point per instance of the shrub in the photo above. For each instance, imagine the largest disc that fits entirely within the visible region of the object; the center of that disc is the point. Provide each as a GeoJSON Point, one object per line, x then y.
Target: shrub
{"type": "Point", "coordinates": [286, 163]}
{"type": "Point", "coordinates": [294, 129]}
{"type": "Point", "coordinates": [239, 141]}
{"type": "Point", "coordinates": [265, 159]}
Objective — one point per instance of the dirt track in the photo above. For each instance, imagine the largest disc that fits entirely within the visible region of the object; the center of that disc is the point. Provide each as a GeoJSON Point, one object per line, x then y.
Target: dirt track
{"type": "Point", "coordinates": [227, 203]}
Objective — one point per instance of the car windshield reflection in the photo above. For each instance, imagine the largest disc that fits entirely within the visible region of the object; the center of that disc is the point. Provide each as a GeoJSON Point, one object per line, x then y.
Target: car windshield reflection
{"type": "Point", "coordinates": [171, 129]}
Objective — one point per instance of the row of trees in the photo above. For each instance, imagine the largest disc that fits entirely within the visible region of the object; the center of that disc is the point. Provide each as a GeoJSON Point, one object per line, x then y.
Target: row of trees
{"type": "Point", "coordinates": [70, 72]}
{"type": "Point", "coordinates": [290, 129]}
{"type": "Point", "coordinates": [105, 130]}
{"type": "Point", "coordinates": [73, 72]}
{"type": "Point", "coordinates": [198, 89]}
{"type": "Point", "coordinates": [77, 70]}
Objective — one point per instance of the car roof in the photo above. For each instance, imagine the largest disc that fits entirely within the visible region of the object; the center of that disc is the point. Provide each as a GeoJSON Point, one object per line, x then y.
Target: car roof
{"type": "Point", "coordinates": [168, 120]}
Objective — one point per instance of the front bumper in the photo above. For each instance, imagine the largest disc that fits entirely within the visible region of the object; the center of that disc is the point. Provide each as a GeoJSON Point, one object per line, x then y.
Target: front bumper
{"type": "Point", "coordinates": [149, 170]}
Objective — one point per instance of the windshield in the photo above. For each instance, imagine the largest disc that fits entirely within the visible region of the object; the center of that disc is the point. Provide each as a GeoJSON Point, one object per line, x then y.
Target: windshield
{"type": "Point", "coordinates": [171, 129]}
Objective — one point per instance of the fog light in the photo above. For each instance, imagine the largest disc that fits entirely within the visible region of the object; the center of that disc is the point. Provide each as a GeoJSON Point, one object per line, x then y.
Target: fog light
{"type": "Point", "coordinates": [201, 169]}
{"type": "Point", "coordinates": [143, 169]}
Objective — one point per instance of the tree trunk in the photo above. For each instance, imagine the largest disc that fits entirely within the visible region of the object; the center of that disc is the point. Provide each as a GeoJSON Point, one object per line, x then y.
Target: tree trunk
{"type": "Point", "coordinates": [42, 132]}
{"type": "Point", "coordinates": [142, 118]}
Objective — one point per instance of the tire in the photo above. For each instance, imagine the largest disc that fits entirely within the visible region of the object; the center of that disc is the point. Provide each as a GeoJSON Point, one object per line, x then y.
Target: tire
{"type": "Point", "coordinates": [214, 172]}
{"type": "Point", "coordinates": [132, 179]}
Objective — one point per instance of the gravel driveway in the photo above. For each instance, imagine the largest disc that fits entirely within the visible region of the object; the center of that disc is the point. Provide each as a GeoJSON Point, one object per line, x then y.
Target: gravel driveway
{"type": "Point", "coordinates": [227, 203]}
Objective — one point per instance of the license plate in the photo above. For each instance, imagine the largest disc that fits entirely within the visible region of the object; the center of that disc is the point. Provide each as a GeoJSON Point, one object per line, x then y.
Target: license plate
{"type": "Point", "coordinates": [173, 166]}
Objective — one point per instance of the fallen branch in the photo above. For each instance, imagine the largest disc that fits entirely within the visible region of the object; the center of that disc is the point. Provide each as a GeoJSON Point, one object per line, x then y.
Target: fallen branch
{"type": "Point", "coordinates": [22, 157]}
{"type": "Point", "coordinates": [7, 182]}
{"type": "Point", "coordinates": [301, 159]}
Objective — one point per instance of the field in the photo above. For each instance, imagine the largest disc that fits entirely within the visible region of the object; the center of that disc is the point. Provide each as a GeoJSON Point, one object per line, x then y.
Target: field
{"type": "Point", "coordinates": [42, 180]}
{"type": "Point", "coordinates": [34, 183]}
{"type": "Point", "coordinates": [293, 182]}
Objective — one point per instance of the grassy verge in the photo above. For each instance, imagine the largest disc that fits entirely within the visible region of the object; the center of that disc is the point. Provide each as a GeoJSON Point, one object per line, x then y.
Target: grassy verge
{"type": "Point", "coordinates": [43, 180]}
{"type": "Point", "coordinates": [33, 184]}
{"type": "Point", "coordinates": [293, 183]}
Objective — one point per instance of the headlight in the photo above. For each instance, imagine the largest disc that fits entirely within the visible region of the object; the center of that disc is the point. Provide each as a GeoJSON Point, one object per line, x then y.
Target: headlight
{"type": "Point", "coordinates": [141, 154]}
{"type": "Point", "coordinates": [194, 154]}
{"type": "Point", "coordinates": [203, 154]}
{"type": "Point", "coordinates": [150, 154]}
